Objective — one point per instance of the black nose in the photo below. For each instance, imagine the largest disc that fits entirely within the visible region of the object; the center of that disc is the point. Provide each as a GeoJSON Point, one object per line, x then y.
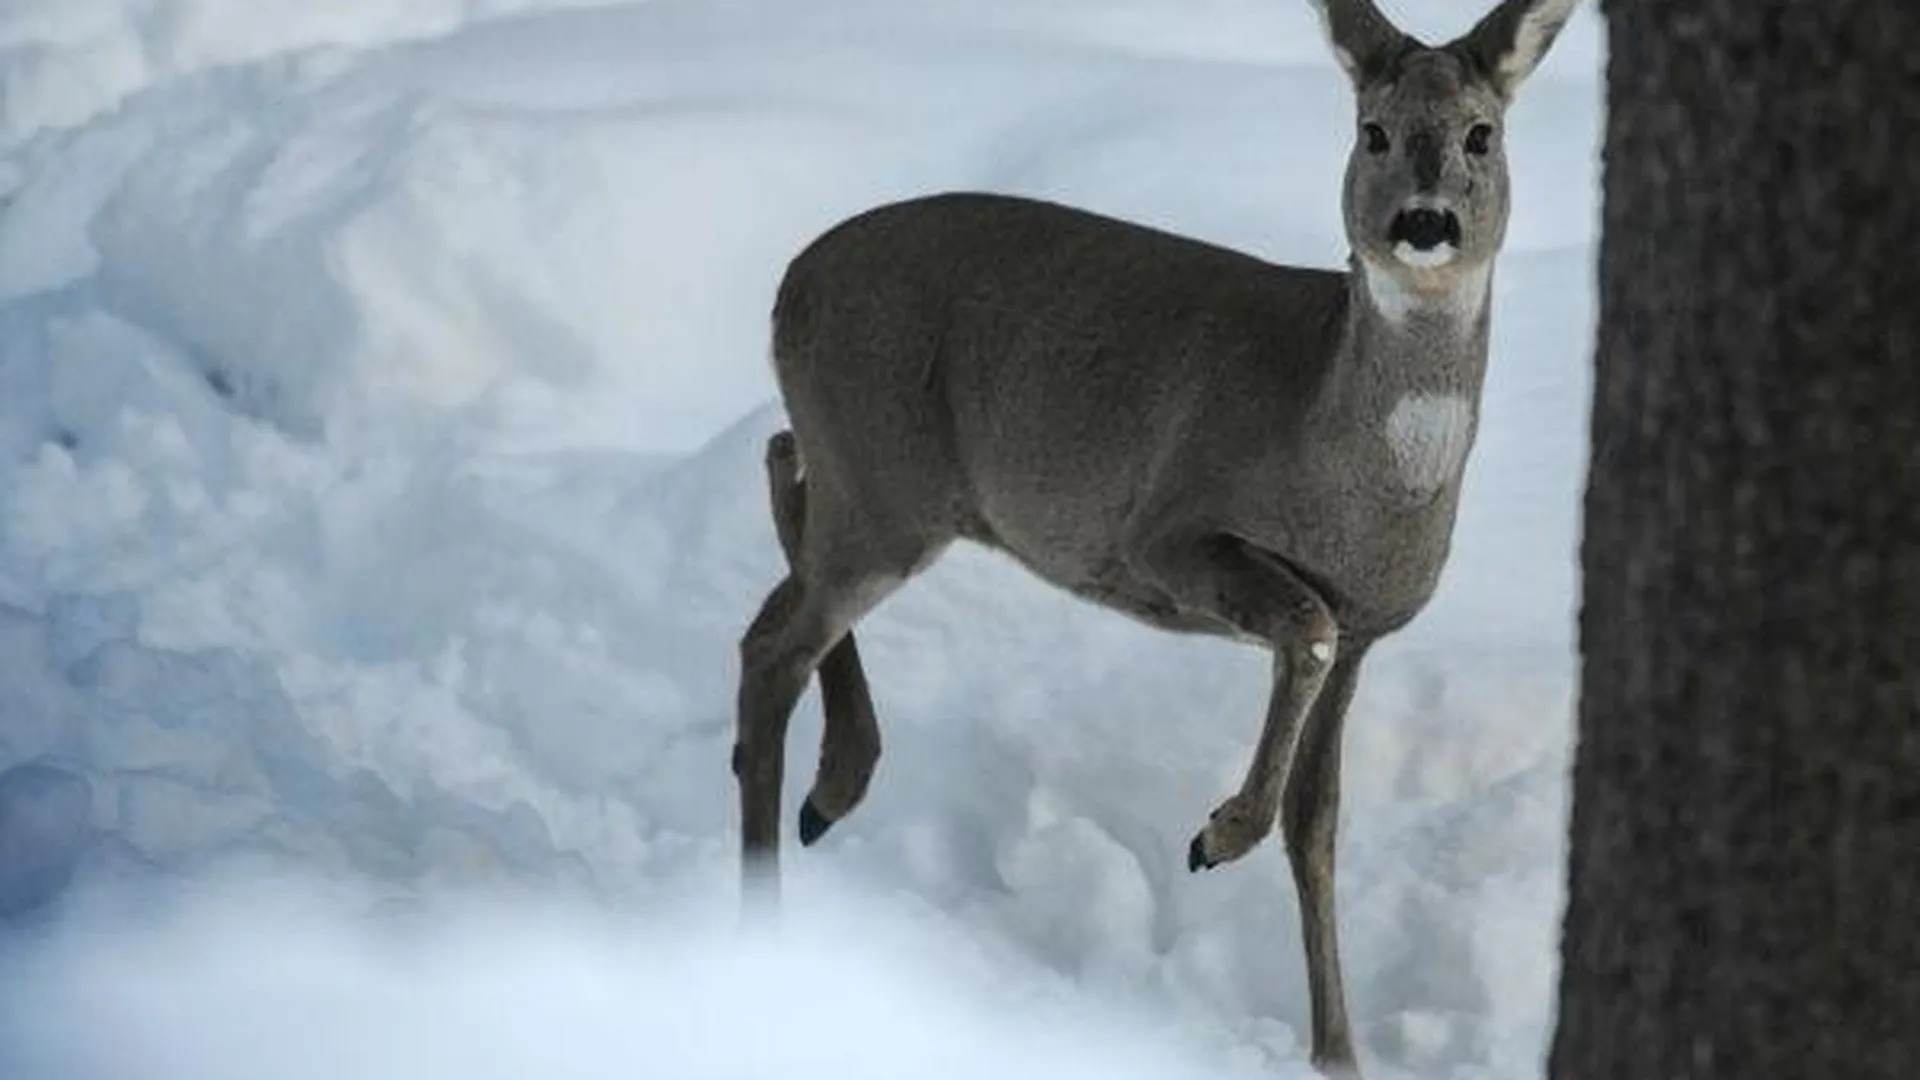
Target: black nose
{"type": "Point", "coordinates": [1425, 229]}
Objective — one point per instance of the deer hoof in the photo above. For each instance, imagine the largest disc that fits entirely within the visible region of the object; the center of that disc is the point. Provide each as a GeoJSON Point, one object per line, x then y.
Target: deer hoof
{"type": "Point", "coordinates": [813, 824]}
{"type": "Point", "coordinates": [1197, 855]}
{"type": "Point", "coordinates": [1233, 829]}
{"type": "Point", "coordinates": [1336, 1064]}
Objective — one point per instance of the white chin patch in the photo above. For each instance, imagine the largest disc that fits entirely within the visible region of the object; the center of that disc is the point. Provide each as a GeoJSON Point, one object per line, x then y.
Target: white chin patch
{"type": "Point", "coordinates": [1423, 260]}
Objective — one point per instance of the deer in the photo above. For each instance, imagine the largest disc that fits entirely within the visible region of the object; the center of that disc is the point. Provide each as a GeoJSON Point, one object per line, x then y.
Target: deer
{"type": "Point", "coordinates": [1193, 437]}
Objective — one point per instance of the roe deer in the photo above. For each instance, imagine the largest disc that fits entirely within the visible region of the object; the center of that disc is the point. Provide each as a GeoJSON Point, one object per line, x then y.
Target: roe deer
{"type": "Point", "coordinates": [1202, 440]}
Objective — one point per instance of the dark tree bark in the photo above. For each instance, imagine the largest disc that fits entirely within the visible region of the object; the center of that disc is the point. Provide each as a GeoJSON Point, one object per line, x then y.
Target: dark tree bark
{"type": "Point", "coordinates": [1744, 895]}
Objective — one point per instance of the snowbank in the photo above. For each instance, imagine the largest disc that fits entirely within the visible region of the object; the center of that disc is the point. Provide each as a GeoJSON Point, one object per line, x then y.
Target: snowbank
{"type": "Point", "coordinates": [476, 990]}
{"type": "Point", "coordinates": [382, 392]}
{"type": "Point", "coordinates": [63, 62]}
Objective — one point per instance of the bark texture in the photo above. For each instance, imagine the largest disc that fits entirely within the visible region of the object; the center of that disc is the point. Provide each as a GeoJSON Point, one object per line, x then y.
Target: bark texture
{"type": "Point", "coordinates": [1744, 891]}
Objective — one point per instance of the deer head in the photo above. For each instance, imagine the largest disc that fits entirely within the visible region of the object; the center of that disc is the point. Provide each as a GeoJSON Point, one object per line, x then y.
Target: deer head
{"type": "Point", "coordinates": [1426, 189]}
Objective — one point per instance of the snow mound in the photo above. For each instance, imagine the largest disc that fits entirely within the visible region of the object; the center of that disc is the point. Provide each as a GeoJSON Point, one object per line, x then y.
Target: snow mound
{"type": "Point", "coordinates": [63, 62]}
{"type": "Point", "coordinates": [483, 989]}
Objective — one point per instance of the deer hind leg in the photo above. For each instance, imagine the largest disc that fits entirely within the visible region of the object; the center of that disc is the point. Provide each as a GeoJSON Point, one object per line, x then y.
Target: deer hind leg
{"type": "Point", "coordinates": [1259, 596]}
{"type": "Point", "coordinates": [847, 566]}
{"type": "Point", "coordinates": [1310, 817]}
{"type": "Point", "coordinates": [850, 734]}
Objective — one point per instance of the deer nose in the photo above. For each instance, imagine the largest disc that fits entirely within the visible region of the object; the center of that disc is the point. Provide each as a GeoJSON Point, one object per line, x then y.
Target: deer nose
{"type": "Point", "coordinates": [1424, 148]}
{"type": "Point", "coordinates": [1424, 228]}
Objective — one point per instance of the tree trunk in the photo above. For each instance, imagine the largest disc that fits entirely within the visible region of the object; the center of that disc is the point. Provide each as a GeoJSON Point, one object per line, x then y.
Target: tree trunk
{"type": "Point", "coordinates": [1744, 890]}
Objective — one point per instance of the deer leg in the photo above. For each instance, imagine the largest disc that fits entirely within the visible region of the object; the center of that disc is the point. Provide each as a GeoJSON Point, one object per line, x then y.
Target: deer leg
{"type": "Point", "coordinates": [771, 680]}
{"type": "Point", "coordinates": [799, 622]}
{"type": "Point", "coordinates": [1257, 595]}
{"type": "Point", "coordinates": [1310, 816]}
{"type": "Point", "coordinates": [1298, 755]}
{"type": "Point", "coordinates": [850, 733]}
{"type": "Point", "coordinates": [841, 576]}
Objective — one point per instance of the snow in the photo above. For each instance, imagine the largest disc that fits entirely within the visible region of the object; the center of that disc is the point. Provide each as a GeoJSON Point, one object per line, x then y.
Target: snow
{"type": "Point", "coordinates": [382, 399]}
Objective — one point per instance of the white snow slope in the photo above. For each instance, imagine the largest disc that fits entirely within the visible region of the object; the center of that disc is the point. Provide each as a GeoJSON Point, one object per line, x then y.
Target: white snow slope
{"type": "Point", "coordinates": [382, 394]}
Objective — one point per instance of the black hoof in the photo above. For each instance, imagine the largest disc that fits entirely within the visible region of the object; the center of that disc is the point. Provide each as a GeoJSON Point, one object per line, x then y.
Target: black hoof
{"type": "Point", "coordinates": [738, 760]}
{"type": "Point", "coordinates": [813, 824]}
{"type": "Point", "coordinates": [1197, 856]}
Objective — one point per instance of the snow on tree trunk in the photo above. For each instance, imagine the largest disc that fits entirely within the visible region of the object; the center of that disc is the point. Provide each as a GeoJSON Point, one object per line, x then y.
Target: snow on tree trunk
{"type": "Point", "coordinates": [1744, 897]}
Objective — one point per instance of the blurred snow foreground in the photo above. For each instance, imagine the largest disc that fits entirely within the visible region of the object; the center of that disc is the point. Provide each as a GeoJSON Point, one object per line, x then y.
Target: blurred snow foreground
{"type": "Point", "coordinates": [382, 393]}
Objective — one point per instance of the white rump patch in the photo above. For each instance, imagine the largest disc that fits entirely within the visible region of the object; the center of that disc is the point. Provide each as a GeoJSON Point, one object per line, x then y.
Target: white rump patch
{"type": "Point", "coordinates": [1429, 435]}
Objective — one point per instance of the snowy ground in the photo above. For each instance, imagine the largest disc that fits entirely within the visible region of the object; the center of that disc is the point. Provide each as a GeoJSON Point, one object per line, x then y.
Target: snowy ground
{"type": "Point", "coordinates": [382, 391]}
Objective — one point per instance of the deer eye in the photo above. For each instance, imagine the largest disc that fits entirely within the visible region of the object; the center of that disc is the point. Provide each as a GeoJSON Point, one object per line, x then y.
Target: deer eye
{"type": "Point", "coordinates": [1377, 141]}
{"type": "Point", "coordinates": [1479, 139]}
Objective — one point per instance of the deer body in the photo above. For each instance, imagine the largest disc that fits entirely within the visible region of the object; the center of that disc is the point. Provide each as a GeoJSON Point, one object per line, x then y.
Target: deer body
{"type": "Point", "coordinates": [1062, 386]}
{"type": "Point", "coordinates": [1199, 439]}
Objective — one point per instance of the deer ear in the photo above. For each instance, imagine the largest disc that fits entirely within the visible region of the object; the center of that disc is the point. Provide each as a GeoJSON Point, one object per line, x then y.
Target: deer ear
{"type": "Point", "coordinates": [1512, 39]}
{"type": "Point", "coordinates": [1363, 40]}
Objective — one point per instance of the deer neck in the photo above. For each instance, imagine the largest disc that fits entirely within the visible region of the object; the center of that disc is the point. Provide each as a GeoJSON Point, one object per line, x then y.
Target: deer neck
{"type": "Point", "coordinates": [1403, 342]}
{"type": "Point", "coordinates": [1405, 388]}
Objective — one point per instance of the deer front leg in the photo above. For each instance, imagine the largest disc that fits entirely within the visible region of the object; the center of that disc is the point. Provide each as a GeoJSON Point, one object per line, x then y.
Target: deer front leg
{"type": "Point", "coordinates": [1257, 595]}
{"type": "Point", "coordinates": [1309, 818]}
